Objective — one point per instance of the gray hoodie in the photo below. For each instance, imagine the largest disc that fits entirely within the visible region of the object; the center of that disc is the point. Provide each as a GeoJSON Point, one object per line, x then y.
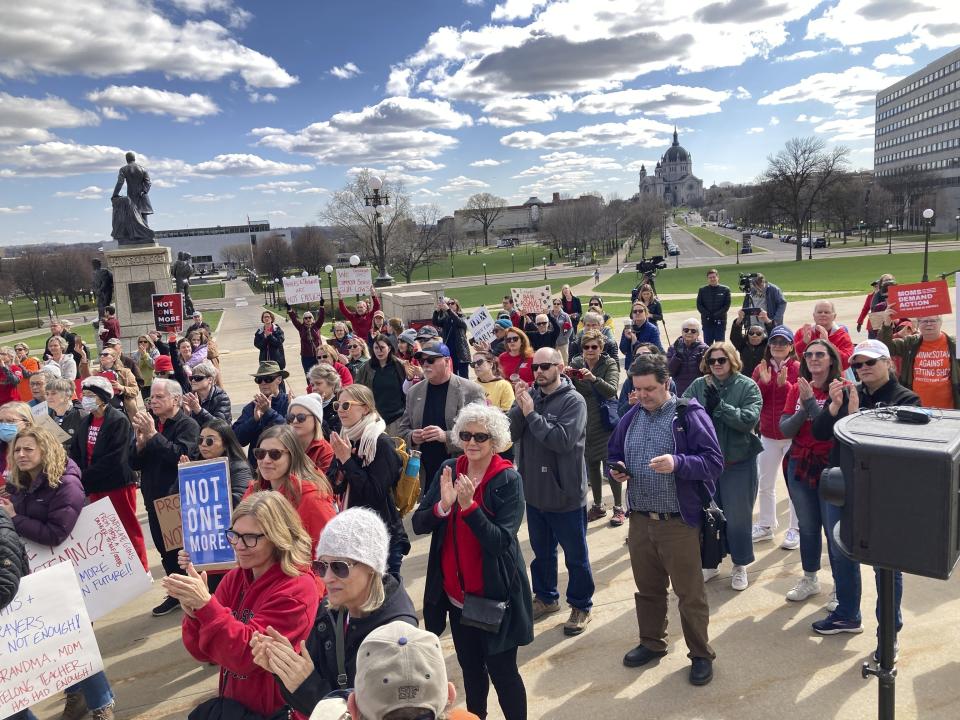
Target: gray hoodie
{"type": "Point", "coordinates": [550, 443]}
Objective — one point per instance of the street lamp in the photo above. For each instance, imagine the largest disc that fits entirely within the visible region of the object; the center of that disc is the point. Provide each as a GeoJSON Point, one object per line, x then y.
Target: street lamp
{"type": "Point", "coordinates": [36, 311]}
{"type": "Point", "coordinates": [276, 291]}
{"type": "Point", "coordinates": [355, 259]}
{"type": "Point", "coordinates": [513, 262]}
{"type": "Point", "coordinates": [55, 307]}
{"type": "Point", "coordinates": [485, 274]}
{"type": "Point", "coordinates": [333, 308]}
{"type": "Point", "coordinates": [263, 284]}
{"type": "Point", "coordinates": [544, 268]}
{"type": "Point", "coordinates": [958, 227]}
{"type": "Point", "coordinates": [616, 241]}
{"type": "Point", "coordinates": [376, 200]}
{"type": "Point", "coordinates": [13, 320]}
{"type": "Point", "coordinates": [928, 221]}
{"type": "Point", "coordinates": [889, 238]}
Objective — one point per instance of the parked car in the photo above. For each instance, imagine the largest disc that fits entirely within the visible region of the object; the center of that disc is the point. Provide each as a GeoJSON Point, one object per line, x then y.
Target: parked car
{"type": "Point", "coordinates": [819, 242]}
{"type": "Point", "coordinates": [508, 242]}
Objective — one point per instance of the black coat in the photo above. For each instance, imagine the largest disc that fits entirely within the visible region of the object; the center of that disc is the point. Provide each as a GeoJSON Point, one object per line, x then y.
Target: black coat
{"type": "Point", "coordinates": [713, 302]}
{"type": "Point", "coordinates": [372, 486]}
{"type": "Point", "coordinates": [322, 645]}
{"type": "Point", "coordinates": [158, 460]}
{"type": "Point", "coordinates": [453, 332]}
{"type": "Point", "coordinates": [271, 346]}
{"type": "Point", "coordinates": [504, 571]}
{"type": "Point", "coordinates": [69, 422]}
{"type": "Point", "coordinates": [109, 467]}
{"type": "Point", "coordinates": [217, 405]}
{"type": "Point", "coordinates": [13, 560]}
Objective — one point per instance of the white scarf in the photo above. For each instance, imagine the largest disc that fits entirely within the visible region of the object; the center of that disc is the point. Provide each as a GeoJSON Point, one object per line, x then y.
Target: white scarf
{"type": "Point", "coordinates": [367, 431]}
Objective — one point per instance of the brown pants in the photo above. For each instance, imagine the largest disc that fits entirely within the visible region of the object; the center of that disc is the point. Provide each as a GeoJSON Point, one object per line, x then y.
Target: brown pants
{"type": "Point", "coordinates": [665, 552]}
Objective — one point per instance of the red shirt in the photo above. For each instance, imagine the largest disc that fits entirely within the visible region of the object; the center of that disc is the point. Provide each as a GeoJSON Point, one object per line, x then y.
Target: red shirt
{"type": "Point", "coordinates": [510, 364]}
{"type": "Point", "coordinates": [92, 434]}
{"type": "Point", "coordinates": [804, 441]}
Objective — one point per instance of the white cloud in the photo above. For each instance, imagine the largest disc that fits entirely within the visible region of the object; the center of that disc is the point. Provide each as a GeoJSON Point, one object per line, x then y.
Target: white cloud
{"type": "Point", "coordinates": [925, 23]}
{"type": "Point", "coordinates": [427, 192]}
{"type": "Point", "coordinates": [855, 50]}
{"type": "Point", "coordinates": [742, 93]}
{"type": "Point", "coordinates": [245, 165]}
{"type": "Point", "coordinates": [511, 112]}
{"type": "Point", "coordinates": [637, 164]}
{"type": "Point", "coordinates": [236, 17]}
{"type": "Point", "coordinates": [91, 192]}
{"type": "Point", "coordinates": [803, 117]}
{"type": "Point", "coordinates": [570, 162]}
{"type": "Point", "coordinates": [463, 183]}
{"type": "Point", "coordinates": [256, 97]}
{"type": "Point", "coordinates": [15, 210]}
{"type": "Point", "coordinates": [637, 131]}
{"type": "Point", "coordinates": [97, 38]}
{"type": "Point", "coordinates": [402, 113]}
{"type": "Point", "coordinates": [112, 113]}
{"type": "Point", "coordinates": [848, 129]}
{"type": "Point", "coordinates": [400, 81]}
{"type": "Point", "coordinates": [345, 71]}
{"type": "Point", "coordinates": [802, 55]}
{"type": "Point", "coordinates": [488, 162]}
{"type": "Point", "coordinates": [393, 173]}
{"type": "Point", "coordinates": [853, 87]}
{"type": "Point", "coordinates": [155, 102]}
{"type": "Point", "coordinates": [755, 130]}
{"type": "Point", "coordinates": [419, 164]}
{"type": "Point", "coordinates": [673, 101]}
{"type": "Point", "coordinates": [516, 9]}
{"type": "Point", "coordinates": [207, 198]}
{"type": "Point", "coordinates": [774, 121]}
{"type": "Point", "coordinates": [27, 119]}
{"type": "Point", "coordinates": [889, 60]}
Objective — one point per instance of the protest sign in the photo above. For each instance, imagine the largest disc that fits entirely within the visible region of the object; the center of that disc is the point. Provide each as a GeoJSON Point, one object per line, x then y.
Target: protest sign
{"type": "Point", "coordinates": [353, 281]}
{"type": "Point", "coordinates": [302, 290]}
{"type": "Point", "coordinates": [920, 299]}
{"type": "Point", "coordinates": [481, 325]}
{"type": "Point", "coordinates": [46, 640]}
{"type": "Point", "coordinates": [168, 312]}
{"type": "Point", "coordinates": [205, 508]}
{"type": "Point", "coordinates": [531, 300]}
{"type": "Point", "coordinates": [103, 559]}
{"type": "Point", "coordinates": [171, 525]}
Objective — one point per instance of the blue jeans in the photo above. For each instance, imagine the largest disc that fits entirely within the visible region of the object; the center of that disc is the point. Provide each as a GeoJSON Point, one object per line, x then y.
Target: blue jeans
{"type": "Point", "coordinates": [846, 575]}
{"type": "Point", "coordinates": [812, 515]}
{"type": "Point", "coordinates": [96, 691]}
{"type": "Point", "coordinates": [569, 530]}
{"type": "Point", "coordinates": [395, 559]}
{"type": "Point", "coordinates": [714, 331]}
{"type": "Point", "coordinates": [307, 362]}
{"type": "Point", "coordinates": [736, 494]}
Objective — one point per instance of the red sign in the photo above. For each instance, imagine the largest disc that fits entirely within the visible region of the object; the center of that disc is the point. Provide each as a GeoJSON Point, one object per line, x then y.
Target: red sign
{"type": "Point", "coordinates": [920, 299]}
{"type": "Point", "coordinates": [168, 312]}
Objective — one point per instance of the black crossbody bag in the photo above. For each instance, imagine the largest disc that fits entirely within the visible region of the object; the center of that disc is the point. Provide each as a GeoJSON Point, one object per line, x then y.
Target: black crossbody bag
{"type": "Point", "coordinates": [478, 611]}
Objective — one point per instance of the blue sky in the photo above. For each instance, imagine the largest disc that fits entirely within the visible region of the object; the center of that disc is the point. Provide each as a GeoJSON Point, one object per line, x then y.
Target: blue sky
{"type": "Point", "coordinates": [244, 108]}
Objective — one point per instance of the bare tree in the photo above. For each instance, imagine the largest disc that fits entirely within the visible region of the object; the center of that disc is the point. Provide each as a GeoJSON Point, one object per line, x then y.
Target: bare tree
{"type": "Point", "coordinates": [485, 209]}
{"type": "Point", "coordinates": [311, 250]}
{"type": "Point", "coordinates": [797, 175]}
{"type": "Point", "coordinates": [644, 220]}
{"type": "Point", "coordinates": [273, 256]}
{"type": "Point", "coordinates": [417, 241]}
{"type": "Point", "coordinates": [348, 211]}
{"type": "Point", "coordinates": [907, 187]}
{"type": "Point", "coordinates": [29, 274]}
{"type": "Point", "coordinates": [237, 255]}
{"type": "Point", "coordinates": [573, 224]}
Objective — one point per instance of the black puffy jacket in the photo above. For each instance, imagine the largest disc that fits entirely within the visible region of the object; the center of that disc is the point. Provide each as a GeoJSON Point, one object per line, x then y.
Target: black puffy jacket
{"type": "Point", "coordinates": [217, 405]}
{"type": "Point", "coordinates": [13, 560]}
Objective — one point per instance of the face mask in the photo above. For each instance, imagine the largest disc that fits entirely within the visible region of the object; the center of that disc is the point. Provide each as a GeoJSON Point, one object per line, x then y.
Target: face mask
{"type": "Point", "coordinates": [89, 404]}
{"type": "Point", "coordinates": [8, 431]}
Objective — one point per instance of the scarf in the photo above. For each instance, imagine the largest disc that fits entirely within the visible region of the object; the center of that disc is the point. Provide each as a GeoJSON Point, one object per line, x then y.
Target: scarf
{"type": "Point", "coordinates": [366, 431]}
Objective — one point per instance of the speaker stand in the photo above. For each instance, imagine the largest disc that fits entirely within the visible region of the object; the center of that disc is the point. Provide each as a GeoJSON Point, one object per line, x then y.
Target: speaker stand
{"type": "Point", "coordinates": [886, 672]}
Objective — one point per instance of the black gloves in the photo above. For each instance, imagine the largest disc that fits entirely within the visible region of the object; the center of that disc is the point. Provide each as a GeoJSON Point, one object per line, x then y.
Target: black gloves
{"type": "Point", "coordinates": [713, 398]}
{"type": "Point", "coordinates": [321, 302]}
{"type": "Point", "coordinates": [287, 306]}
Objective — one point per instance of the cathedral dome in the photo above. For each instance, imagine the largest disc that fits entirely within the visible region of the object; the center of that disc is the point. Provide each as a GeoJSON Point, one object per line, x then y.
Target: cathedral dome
{"type": "Point", "coordinates": [676, 153]}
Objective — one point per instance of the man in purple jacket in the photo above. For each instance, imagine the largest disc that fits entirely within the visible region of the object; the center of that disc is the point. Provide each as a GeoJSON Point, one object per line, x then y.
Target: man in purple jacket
{"type": "Point", "coordinates": [662, 459]}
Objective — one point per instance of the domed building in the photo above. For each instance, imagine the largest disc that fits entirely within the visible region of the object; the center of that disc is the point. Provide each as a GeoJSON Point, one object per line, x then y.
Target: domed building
{"type": "Point", "coordinates": [673, 180]}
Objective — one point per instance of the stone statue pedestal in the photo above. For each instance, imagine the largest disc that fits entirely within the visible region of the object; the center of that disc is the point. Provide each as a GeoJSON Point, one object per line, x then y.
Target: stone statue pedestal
{"type": "Point", "coordinates": [138, 273]}
{"type": "Point", "coordinates": [415, 301]}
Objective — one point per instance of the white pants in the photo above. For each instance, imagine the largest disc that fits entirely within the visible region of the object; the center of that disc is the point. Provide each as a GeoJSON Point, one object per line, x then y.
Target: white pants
{"type": "Point", "coordinates": [769, 464]}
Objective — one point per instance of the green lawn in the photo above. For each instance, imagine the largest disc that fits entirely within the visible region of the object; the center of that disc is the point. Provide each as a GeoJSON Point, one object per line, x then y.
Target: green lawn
{"type": "Point", "coordinates": [721, 243]}
{"type": "Point", "coordinates": [207, 291]}
{"type": "Point", "coordinates": [23, 308]}
{"type": "Point", "coordinates": [507, 260]}
{"type": "Point", "coordinates": [849, 273]}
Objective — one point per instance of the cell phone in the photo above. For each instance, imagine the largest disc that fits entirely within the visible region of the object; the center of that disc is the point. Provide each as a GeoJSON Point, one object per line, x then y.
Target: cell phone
{"type": "Point", "coordinates": [751, 311]}
{"type": "Point", "coordinates": [620, 467]}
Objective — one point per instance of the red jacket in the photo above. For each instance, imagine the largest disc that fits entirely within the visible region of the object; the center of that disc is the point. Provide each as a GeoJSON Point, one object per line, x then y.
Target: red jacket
{"type": "Point", "coordinates": [361, 323]}
{"type": "Point", "coordinates": [222, 629]}
{"type": "Point", "coordinates": [839, 337]}
{"type": "Point", "coordinates": [112, 326]}
{"type": "Point", "coordinates": [309, 337]}
{"type": "Point", "coordinates": [774, 398]}
{"type": "Point", "coordinates": [510, 364]}
{"type": "Point", "coordinates": [321, 453]}
{"type": "Point", "coordinates": [10, 377]}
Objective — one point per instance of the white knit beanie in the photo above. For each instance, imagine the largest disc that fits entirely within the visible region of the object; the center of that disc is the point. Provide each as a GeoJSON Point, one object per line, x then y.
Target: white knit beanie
{"type": "Point", "coordinates": [310, 403]}
{"type": "Point", "coordinates": [356, 534]}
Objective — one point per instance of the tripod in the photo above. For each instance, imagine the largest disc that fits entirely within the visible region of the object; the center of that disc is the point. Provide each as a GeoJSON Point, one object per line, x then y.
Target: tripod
{"type": "Point", "coordinates": [886, 672]}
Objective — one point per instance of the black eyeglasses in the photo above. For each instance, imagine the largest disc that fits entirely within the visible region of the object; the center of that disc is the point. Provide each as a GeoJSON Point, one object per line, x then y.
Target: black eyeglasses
{"type": "Point", "coordinates": [477, 363]}
{"type": "Point", "coordinates": [593, 305]}
{"type": "Point", "coordinates": [869, 363]}
{"type": "Point", "coordinates": [273, 453]}
{"type": "Point", "coordinates": [345, 404]}
{"type": "Point", "coordinates": [264, 380]}
{"type": "Point", "coordinates": [810, 354]}
{"type": "Point", "coordinates": [249, 540]}
{"type": "Point", "coordinates": [427, 359]}
{"type": "Point", "coordinates": [543, 323]}
{"type": "Point", "coordinates": [782, 342]}
{"type": "Point", "coordinates": [297, 418]}
{"type": "Point", "coordinates": [717, 361]}
{"type": "Point", "coordinates": [208, 440]}
{"type": "Point", "coordinates": [323, 357]}
{"type": "Point", "coordinates": [591, 347]}
{"type": "Point", "coordinates": [543, 367]}
{"type": "Point", "coordinates": [639, 311]}
{"type": "Point", "coordinates": [340, 568]}
{"type": "Point", "coordinates": [754, 334]}
{"type": "Point", "coordinates": [466, 436]}
{"type": "Point", "coordinates": [511, 339]}
{"type": "Point", "coordinates": [197, 378]}
{"type": "Point", "coordinates": [691, 331]}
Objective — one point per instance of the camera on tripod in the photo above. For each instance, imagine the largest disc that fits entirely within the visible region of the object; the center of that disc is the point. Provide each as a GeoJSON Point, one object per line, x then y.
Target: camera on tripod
{"type": "Point", "coordinates": [746, 281]}
{"type": "Point", "coordinates": [650, 267]}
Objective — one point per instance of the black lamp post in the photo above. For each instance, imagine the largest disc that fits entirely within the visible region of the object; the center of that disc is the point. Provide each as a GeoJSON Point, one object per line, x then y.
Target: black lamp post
{"type": "Point", "coordinates": [376, 201]}
{"type": "Point", "coordinates": [36, 310]}
{"type": "Point", "coordinates": [276, 291]}
{"type": "Point", "coordinates": [544, 268]}
{"type": "Point", "coordinates": [333, 308]}
{"type": "Point", "coordinates": [485, 274]}
{"type": "Point", "coordinates": [958, 228]}
{"type": "Point", "coordinates": [927, 221]}
{"type": "Point", "coordinates": [513, 261]}
{"type": "Point", "coordinates": [889, 238]}
{"type": "Point", "coordinates": [263, 284]}
{"type": "Point", "coordinates": [13, 320]}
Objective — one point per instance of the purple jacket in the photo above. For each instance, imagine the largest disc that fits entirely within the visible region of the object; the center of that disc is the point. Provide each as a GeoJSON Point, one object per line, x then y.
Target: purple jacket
{"type": "Point", "coordinates": [47, 515]}
{"type": "Point", "coordinates": [683, 362]}
{"type": "Point", "coordinates": [697, 458]}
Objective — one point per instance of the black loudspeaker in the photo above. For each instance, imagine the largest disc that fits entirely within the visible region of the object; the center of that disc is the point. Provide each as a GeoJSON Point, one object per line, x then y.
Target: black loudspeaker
{"type": "Point", "coordinates": [897, 484]}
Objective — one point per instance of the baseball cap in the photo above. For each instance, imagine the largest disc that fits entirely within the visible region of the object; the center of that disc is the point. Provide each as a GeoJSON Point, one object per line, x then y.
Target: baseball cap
{"type": "Point", "coordinates": [871, 349]}
{"type": "Point", "coordinates": [434, 350]}
{"type": "Point", "coordinates": [400, 666]}
{"type": "Point", "coordinates": [781, 331]}
{"type": "Point", "coordinates": [505, 323]}
{"type": "Point", "coordinates": [409, 336]}
{"type": "Point", "coordinates": [427, 332]}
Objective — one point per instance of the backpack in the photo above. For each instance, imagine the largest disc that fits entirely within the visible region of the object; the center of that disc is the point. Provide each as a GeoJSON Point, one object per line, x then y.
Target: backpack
{"type": "Point", "coordinates": [406, 489]}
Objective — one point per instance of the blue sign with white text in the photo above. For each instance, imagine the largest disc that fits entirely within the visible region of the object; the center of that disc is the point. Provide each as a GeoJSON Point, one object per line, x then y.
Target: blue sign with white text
{"type": "Point", "coordinates": [205, 509]}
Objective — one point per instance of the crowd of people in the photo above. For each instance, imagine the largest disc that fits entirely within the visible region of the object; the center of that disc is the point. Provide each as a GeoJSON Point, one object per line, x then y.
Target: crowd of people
{"type": "Point", "coordinates": [543, 425]}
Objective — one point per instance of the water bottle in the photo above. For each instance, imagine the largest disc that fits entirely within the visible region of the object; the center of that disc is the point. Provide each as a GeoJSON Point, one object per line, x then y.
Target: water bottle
{"type": "Point", "coordinates": [413, 465]}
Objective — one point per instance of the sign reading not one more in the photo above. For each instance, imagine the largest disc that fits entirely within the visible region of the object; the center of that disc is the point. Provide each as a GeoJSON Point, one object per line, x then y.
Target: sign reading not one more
{"type": "Point", "coordinates": [205, 509]}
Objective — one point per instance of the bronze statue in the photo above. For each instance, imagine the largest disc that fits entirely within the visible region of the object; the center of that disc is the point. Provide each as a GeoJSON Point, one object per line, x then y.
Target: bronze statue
{"type": "Point", "coordinates": [102, 286]}
{"type": "Point", "coordinates": [130, 212]}
{"type": "Point", "coordinates": [182, 270]}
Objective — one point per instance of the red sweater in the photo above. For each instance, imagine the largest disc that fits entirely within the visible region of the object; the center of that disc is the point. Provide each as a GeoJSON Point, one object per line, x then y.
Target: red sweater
{"type": "Point", "coordinates": [361, 323]}
{"type": "Point", "coordinates": [839, 337]}
{"type": "Point", "coordinates": [470, 553]}
{"type": "Point", "coordinates": [222, 630]}
{"type": "Point", "coordinates": [510, 364]}
{"type": "Point", "coordinates": [804, 442]}
{"type": "Point", "coordinates": [774, 398]}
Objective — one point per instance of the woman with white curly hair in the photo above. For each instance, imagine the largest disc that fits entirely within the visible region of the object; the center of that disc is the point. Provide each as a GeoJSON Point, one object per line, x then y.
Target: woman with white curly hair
{"type": "Point", "coordinates": [474, 511]}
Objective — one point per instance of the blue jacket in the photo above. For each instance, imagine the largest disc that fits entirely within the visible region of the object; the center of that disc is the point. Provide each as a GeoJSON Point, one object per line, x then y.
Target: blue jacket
{"type": "Point", "coordinates": [697, 457]}
{"type": "Point", "coordinates": [645, 333]}
{"type": "Point", "coordinates": [248, 430]}
{"type": "Point", "coordinates": [776, 303]}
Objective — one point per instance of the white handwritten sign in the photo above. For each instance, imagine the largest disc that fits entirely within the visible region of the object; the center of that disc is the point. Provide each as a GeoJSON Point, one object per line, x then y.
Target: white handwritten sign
{"type": "Point", "coordinates": [302, 290]}
{"type": "Point", "coordinates": [531, 300]}
{"type": "Point", "coordinates": [103, 558]}
{"type": "Point", "coordinates": [481, 325]}
{"type": "Point", "coordinates": [353, 281]}
{"type": "Point", "coordinates": [46, 640]}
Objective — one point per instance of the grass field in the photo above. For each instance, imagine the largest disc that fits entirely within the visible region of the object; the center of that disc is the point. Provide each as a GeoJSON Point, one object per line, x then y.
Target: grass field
{"type": "Point", "coordinates": [721, 243]}
{"type": "Point", "coordinates": [839, 274]}
{"type": "Point", "coordinates": [207, 291]}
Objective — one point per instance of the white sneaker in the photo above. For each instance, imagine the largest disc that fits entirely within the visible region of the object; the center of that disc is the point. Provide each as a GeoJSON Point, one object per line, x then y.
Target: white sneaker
{"type": "Point", "coordinates": [739, 580]}
{"type": "Point", "coordinates": [710, 573]}
{"type": "Point", "coordinates": [804, 588]}
{"type": "Point", "coordinates": [832, 602]}
{"type": "Point", "coordinates": [761, 533]}
{"type": "Point", "coordinates": [791, 539]}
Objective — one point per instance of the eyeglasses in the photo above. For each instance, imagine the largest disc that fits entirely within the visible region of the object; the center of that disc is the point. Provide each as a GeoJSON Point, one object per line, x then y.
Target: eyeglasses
{"type": "Point", "coordinates": [207, 440]}
{"type": "Point", "coordinates": [477, 363]}
{"type": "Point", "coordinates": [717, 360]}
{"type": "Point", "coordinates": [543, 367]}
{"type": "Point", "coordinates": [297, 418]}
{"type": "Point", "coordinates": [754, 334]}
{"type": "Point", "coordinates": [557, 303]}
{"type": "Point", "coordinates": [542, 324]}
{"type": "Point", "coordinates": [779, 342]}
{"type": "Point", "coordinates": [273, 453]}
{"type": "Point", "coordinates": [691, 331]}
{"type": "Point", "coordinates": [340, 568]}
{"type": "Point", "coordinates": [869, 363]}
{"type": "Point", "coordinates": [478, 437]}
{"type": "Point", "coordinates": [197, 378]}
{"type": "Point", "coordinates": [249, 540]}
{"type": "Point", "coordinates": [591, 347]}
{"type": "Point", "coordinates": [810, 354]}
{"type": "Point", "coordinates": [593, 305]}
{"type": "Point", "coordinates": [345, 404]}
{"type": "Point", "coordinates": [512, 338]}
{"type": "Point", "coordinates": [323, 357]}
{"type": "Point", "coordinates": [639, 311]}
{"type": "Point", "coordinates": [427, 359]}
{"type": "Point", "coordinates": [139, 342]}
{"type": "Point", "coordinates": [264, 380]}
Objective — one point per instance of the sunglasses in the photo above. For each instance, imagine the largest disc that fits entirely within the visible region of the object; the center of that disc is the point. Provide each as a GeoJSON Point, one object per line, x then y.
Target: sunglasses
{"type": "Point", "coordinates": [264, 380]}
{"type": "Point", "coordinates": [477, 363]}
{"type": "Point", "coordinates": [141, 342]}
{"type": "Point", "coordinates": [340, 568]}
{"type": "Point", "coordinates": [539, 324]}
{"type": "Point", "coordinates": [207, 440]}
{"type": "Point", "coordinates": [556, 304]}
{"type": "Point", "coordinates": [754, 334]}
{"type": "Point", "coordinates": [345, 404]}
{"type": "Point", "coordinates": [297, 418]}
{"type": "Point", "coordinates": [323, 357]}
{"type": "Point", "coordinates": [717, 361]}
{"type": "Point", "coordinates": [869, 363]}
{"type": "Point", "coordinates": [427, 359]}
{"type": "Point", "coordinates": [543, 367]}
{"type": "Point", "coordinates": [197, 378]}
{"type": "Point", "coordinates": [591, 347]}
{"type": "Point", "coordinates": [691, 331]}
{"type": "Point", "coordinates": [780, 342]}
{"type": "Point", "coordinates": [479, 437]}
{"type": "Point", "coordinates": [249, 540]}
{"type": "Point", "coordinates": [273, 454]}
{"type": "Point", "coordinates": [593, 305]}
{"type": "Point", "coordinates": [638, 311]}
{"type": "Point", "coordinates": [811, 354]}
{"type": "Point", "coordinates": [511, 339]}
